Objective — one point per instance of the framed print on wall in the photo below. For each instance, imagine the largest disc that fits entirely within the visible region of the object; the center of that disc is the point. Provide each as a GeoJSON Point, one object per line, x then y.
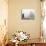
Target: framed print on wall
{"type": "Point", "coordinates": [28, 14]}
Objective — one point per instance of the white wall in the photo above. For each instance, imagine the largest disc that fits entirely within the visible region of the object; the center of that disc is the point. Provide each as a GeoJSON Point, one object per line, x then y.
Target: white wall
{"type": "Point", "coordinates": [16, 23]}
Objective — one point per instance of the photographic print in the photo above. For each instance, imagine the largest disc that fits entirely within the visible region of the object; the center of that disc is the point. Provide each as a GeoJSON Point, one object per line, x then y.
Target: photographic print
{"type": "Point", "coordinates": [28, 14]}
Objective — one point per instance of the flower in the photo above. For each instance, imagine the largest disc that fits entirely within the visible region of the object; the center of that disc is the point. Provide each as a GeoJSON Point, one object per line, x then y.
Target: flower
{"type": "Point", "coordinates": [22, 36]}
